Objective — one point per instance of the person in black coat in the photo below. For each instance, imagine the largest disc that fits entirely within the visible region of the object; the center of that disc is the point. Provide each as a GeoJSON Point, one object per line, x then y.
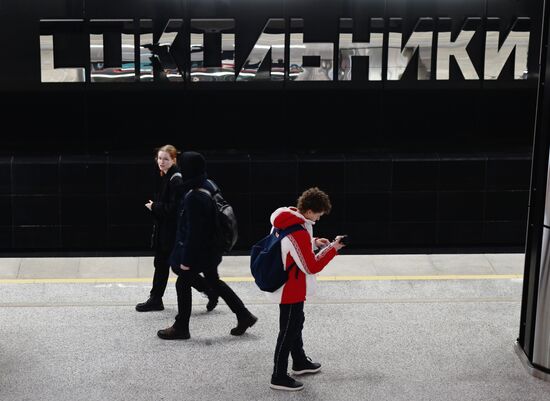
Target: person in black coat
{"type": "Point", "coordinates": [195, 252]}
{"type": "Point", "coordinates": [163, 209]}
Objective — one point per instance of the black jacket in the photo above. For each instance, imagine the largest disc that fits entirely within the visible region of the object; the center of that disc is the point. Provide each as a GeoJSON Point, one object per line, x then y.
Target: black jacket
{"type": "Point", "coordinates": [196, 222]}
{"type": "Point", "coordinates": [164, 210]}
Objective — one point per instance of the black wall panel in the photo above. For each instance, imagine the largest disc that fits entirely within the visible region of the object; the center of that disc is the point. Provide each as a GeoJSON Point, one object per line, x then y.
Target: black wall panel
{"type": "Point", "coordinates": [400, 205]}
{"type": "Point", "coordinates": [463, 172]}
{"type": "Point", "coordinates": [6, 215]}
{"type": "Point", "coordinates": [460, 206]}
{"type": "Point", "coordinates": [36, 238]}
{"type": "Point", "coordinates": [5, 175]}
{"type": "Point", "coordinates": [461, 234]}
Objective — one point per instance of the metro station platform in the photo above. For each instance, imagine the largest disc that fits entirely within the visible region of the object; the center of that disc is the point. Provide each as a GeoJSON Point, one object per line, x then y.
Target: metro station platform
{"type": "Point", "coordinates": [384, 327]}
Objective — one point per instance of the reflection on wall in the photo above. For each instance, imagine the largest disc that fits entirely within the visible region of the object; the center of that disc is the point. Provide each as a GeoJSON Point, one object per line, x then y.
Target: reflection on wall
{"type": "Point", "coordinates": [104, 51]}
{"type": "Point", "coordinates": [496, 53]}
{"type": "Point", "coordinates": [348, 49]}
{"type": "Point", "coordinates": [146, 48]}
{"type": "Point", "coordinates": [399, 55]}
{"type": "Point", "coordinates": [49, 71]}
{"type": "Point", "coordinates": [212, 50]}
{"type": "Point", "coordinates": [258, 66]}
{"type": "Point", "coordinates": [157, 59]}
{"type": "Point", "coordinates": [309, 61]}
{"type": "Point", "coordinates": [112, 51]}
{"type": "Point", "coordinates": [457, 48]}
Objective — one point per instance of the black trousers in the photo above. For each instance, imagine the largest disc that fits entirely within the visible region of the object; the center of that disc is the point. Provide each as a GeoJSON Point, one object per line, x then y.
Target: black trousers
{"type": "Point", "coordinates": [289, 340]}
{"type": "Point", "coordinates": [162, 271]}
{"type": "Point", "coordinates": [190, 278]}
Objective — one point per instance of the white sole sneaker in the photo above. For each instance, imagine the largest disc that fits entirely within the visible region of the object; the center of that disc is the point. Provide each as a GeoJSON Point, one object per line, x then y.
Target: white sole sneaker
{"type": "Point", "coordinates": [303, 372]}
{"type": "Point", "coordinates": [284, 388]}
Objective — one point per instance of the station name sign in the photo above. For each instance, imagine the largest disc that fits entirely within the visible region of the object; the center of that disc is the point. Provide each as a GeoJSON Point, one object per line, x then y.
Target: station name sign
{"type": "Point", "coordinates": [198, 50]}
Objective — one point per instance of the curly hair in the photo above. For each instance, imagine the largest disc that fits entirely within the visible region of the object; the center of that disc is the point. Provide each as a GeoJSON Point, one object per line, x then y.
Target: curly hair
{"type": "Point", "coordinates": [315, 200]}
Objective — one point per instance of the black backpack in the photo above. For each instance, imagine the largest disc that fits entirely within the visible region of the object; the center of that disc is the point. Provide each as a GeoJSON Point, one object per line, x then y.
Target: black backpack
{"type": "Point", "coordinates": [226, 230]}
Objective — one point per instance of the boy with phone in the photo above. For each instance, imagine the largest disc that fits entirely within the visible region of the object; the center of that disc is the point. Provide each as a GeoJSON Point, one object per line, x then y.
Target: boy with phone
{"type": "Point", "coordinates": [297, 249]}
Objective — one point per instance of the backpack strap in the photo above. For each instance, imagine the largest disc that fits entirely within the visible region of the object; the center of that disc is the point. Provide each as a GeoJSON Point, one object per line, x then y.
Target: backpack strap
{"type": "Point", "coordinates": [175, 175]}
{"type": "Point", "coordinates": [216, 188]}
{"type": "Point", "coordinates": [206, 191]}
{"type": "Point", "coordinates": [284, 233]}
{"type": "Point", "coordinates": [289, 230]}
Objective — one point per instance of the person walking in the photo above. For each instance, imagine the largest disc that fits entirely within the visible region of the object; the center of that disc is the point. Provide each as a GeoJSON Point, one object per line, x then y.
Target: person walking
{"type": "Point", "coordinates": [298, 249]}
{"type": "Point", "coordinates": [195, 251]}
{"type": "Point", "coordinates": [163, 210]}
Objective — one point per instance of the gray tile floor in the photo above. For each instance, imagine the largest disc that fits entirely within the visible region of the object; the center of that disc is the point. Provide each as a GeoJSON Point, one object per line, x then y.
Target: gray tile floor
{"type": "Point", "coordinates": [238, 266]}
{"type": "Point", "coordinates": [385, 327]}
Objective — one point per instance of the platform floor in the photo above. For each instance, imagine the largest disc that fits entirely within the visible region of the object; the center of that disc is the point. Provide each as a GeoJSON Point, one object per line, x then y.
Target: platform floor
{"type": "Point", "coordinates": [385, 327]}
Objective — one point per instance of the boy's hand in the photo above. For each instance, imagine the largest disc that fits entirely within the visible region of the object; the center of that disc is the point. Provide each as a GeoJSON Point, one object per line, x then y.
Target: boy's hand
{"type": "Point", "coordinates": [321, 242]}
{"type": "Point", "coordinates": [337, 244]}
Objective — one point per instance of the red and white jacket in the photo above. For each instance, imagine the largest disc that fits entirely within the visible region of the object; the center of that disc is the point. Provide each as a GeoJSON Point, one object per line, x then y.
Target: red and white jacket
{"type": "Point", "coordinates": [299, 247]}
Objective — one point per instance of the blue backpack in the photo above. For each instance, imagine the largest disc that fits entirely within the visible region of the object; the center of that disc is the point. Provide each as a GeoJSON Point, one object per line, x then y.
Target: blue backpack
{"type": "Point", "coordinates": [266, 263]}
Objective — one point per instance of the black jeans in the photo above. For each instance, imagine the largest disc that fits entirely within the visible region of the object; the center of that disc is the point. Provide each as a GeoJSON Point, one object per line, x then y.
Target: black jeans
{"type": "Point", "coordinates": [289, 341]}
{"type": "Point", "coordinates": [188, 279]}
{"type": "Point", "coordinates": [162, 271]}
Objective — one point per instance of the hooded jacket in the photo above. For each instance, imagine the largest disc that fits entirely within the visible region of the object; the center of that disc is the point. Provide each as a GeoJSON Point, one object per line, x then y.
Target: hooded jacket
{"type": "Point", "coordinates": [194, 245]}
{"type": "Point", "coordinates": [298, 248]}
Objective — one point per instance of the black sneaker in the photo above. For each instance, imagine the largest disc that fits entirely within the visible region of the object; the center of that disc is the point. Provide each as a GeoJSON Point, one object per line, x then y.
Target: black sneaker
{"type": "Point", "coordinates": [244, 323]}
{"type": "Point", "coordinates": [285, 383]}
{"type": "Point", "coordinates": [305, 366]}
{"type": "Point", "coordinates": [151, 304]}
{"type": "Point", "coordinates": [172, 334]}
{"type": "Point", "coordinates": [212, 301]}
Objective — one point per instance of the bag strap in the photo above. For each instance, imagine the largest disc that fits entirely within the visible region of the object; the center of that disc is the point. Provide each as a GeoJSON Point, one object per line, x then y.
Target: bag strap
{"type": "Point", "coordinates": [206, 191]}
{"type": "Point", "coordinates": [289, 230]}
{"type": "Point", "coordinates": [175, 175]}
{"type": "Point", "coordinates": [284, 233]}
{"type": "Point", "coordinates": [210, 193]}
{"type": "Point", "coordinates": [214, 185]}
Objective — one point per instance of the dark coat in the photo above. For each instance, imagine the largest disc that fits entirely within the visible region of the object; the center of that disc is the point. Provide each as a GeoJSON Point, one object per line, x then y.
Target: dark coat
{"type": "Point", "coordinates": [164, 210]}
{"type": "Point", "coordinates": [196, 221]}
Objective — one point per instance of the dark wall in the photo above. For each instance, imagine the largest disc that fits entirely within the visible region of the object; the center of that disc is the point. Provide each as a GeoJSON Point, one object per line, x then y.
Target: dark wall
{"type": "Point", "coordinates": [386, 202]}
{"type": "Point", "coordinates": [452, 157]}
{"type": "Point", "coordinates": [384, 115]}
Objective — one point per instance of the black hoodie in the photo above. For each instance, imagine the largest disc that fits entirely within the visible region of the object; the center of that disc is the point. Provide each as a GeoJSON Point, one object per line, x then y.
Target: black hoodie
{"type": "Point", "coordinates": [196, 218]}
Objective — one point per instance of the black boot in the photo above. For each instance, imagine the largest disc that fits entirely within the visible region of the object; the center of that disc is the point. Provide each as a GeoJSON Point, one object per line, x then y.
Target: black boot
{"type": "Point", "coordinates": [152, 304]}
{"type": "Point", "coordinates": [212, 300]}
{"type": "Point", "coordinates": [243, 323]}
{"type": "Point", "coordinates": [171, 333]}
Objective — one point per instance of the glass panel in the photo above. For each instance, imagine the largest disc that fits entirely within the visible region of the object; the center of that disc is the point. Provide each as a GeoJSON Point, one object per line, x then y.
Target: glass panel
{"type": "Point", "coordinates": [348, 49]}
{"type": "Point", "coordinates": [112, 56]}
{"type": "Point", "coordinates": [496, 56]}
{"type": "Point", "coordinates": [457, 48]}
{"type": "Point", "coordinates": [212, 50]}
{"type": "Point", "coordinates": [541, 343]}
{"type": "Point", "coordinates": [48, 71]}
{"type": "Point", "coordinates": [156, 59]}
{"type": "Point", "coordinates": [319, 56]}
{"type": "Point", "coordinates": [272, 39]}
{"type": "Point", "coordinates": [399, 55]}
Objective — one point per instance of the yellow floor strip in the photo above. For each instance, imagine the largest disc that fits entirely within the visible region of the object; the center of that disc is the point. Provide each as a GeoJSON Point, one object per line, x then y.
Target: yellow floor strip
{"type": "Point", "coordinates": [249, 279]}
